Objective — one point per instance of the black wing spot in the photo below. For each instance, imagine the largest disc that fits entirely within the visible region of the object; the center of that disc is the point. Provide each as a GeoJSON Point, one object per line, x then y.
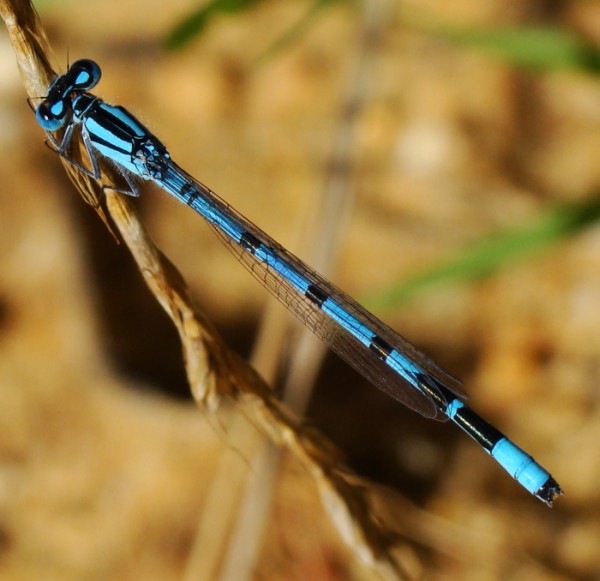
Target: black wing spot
{"type": "Point", "coordinates": [380, 347]}
{"type": "Point", "coordinates": [435, 390]}
{"type": "Point", "coordinates": [250, 242]}
{"type": "Point", "coordinates": [315, 295]}
{"type": "Point", "coordinates": [188, 192]}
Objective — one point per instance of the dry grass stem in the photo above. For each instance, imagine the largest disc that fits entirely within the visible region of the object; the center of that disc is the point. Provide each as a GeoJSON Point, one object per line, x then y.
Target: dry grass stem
{"type": "Point", "coordinates": [322, 232]}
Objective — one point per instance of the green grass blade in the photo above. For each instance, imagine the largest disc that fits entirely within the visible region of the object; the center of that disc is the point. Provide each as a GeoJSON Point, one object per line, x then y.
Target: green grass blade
{"type": "Point", "coordinates": [294, 32]}
{"type": "Point", "coordinates": [494, 252]}
{"type": "Point", "coordinates": [195, 23]}
{"type": "Point", "coordinates": [534, 47]}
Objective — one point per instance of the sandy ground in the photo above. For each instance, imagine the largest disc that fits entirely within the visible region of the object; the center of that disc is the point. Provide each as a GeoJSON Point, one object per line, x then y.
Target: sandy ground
{"type": "Point", "coordinates": [106, 466]}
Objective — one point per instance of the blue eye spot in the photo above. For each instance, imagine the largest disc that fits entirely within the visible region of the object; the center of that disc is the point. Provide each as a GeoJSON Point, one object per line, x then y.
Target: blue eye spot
{"type": "Point", "coordinates": [51, 118]}
{"type": "Point", "coordinates": [86, 74]}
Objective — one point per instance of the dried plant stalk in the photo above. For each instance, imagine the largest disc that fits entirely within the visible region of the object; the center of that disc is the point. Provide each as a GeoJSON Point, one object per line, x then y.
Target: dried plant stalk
{"type": "Point", "coordinates": [215, 374]}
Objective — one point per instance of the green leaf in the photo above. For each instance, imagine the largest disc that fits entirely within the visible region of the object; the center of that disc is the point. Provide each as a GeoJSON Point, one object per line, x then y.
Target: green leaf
{"type": "Point", "coordinates": [533, 47]}
{"type": "Point", "coordinates": [195, 23]}
{"type": "Point", "coordinates": [294, 32]}
{"type": "Point", "coordinates": [495, 252]}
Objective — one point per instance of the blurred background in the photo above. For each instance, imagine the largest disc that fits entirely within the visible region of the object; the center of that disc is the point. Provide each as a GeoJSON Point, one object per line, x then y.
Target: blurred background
{"type": "Point", "coordinates": [469, 135]}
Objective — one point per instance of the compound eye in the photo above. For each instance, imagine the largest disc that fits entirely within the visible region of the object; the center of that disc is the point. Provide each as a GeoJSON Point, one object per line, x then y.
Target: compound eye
{"type": "Point", "coordinates": [51, 116]}
{"type": "Point", "coordinates": [85, 73]}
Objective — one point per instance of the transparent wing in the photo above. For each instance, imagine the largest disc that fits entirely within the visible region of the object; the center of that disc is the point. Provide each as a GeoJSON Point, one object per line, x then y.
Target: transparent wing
{"type": "Point", "coordinates": [216, 211]}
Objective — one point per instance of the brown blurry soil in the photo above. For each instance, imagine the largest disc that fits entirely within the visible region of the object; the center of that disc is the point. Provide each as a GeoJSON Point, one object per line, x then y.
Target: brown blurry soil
{"type": "Point", "coordinates": [105, 466]}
